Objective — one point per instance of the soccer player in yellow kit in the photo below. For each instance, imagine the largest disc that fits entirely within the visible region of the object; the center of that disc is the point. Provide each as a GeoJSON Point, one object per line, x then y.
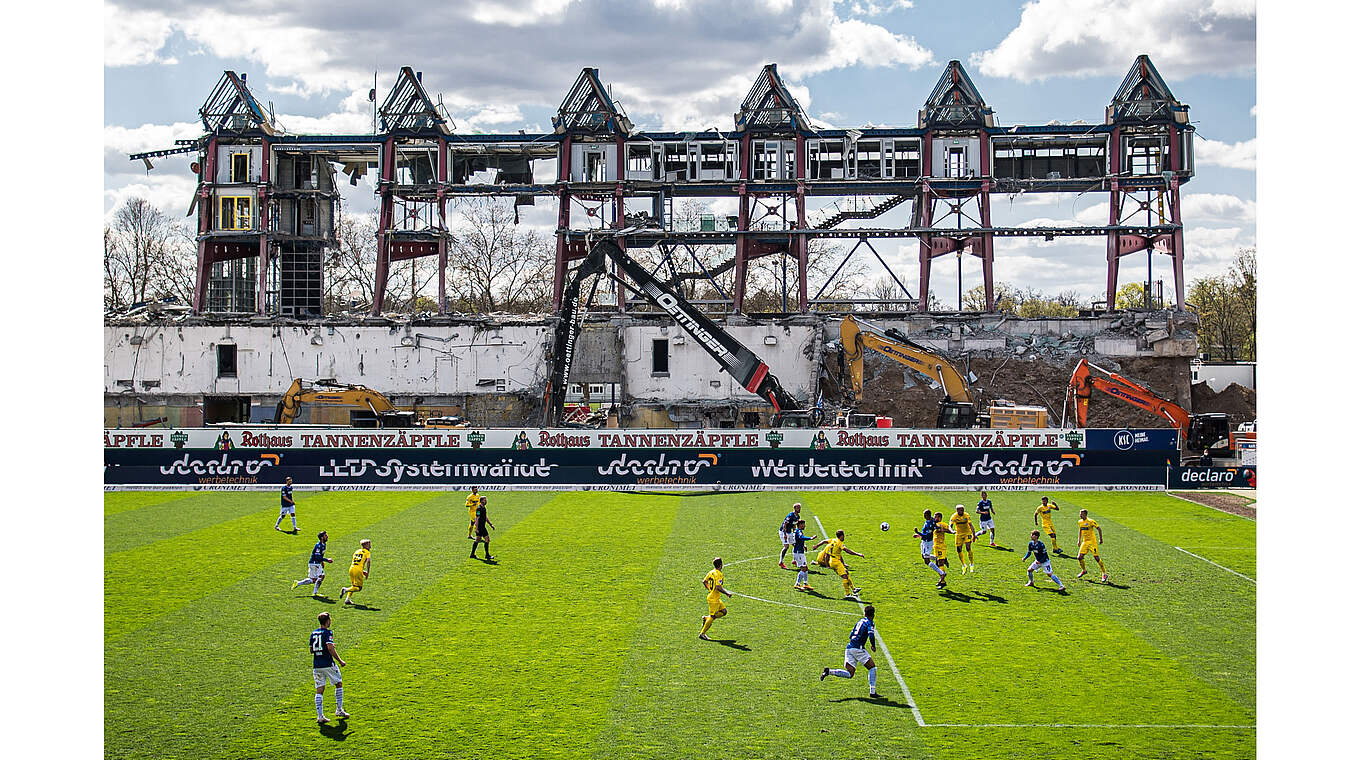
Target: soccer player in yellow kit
{"type": "Point", "coordinates": [963, 536]}
{"type": "Point", "coordinates": [358, 570]}
{"type": "Point", "coordinates": [938, 547]}
{"type": "Point", "coordinates": [831, 557]}
{"type": "Point", "coordinates": [1045, 512]}
{"type": "Point", "coordinates": [716, 608]}
{"type": "Point", "coordinates": [1089, 539]}
{"type": "Point", "coordinates": [472, 501]}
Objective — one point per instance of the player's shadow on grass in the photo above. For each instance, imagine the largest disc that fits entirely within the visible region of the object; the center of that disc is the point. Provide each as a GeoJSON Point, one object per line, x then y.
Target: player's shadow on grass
{"type": "Point", "coordinates": [1052, 590]}
{"type": "Point", "coordinates": [731, 644]}
{"type": "Point", "coordinates": [1107, 583]}
{"type": "Point", "coordinates": [956, 596]}
{"type": "Point", "coordinates": [999, 548]}
{"type": "Point", "coordinates": [485, 561]}
{"type": "Point", "coordinates": [323, 599]}
{"type": "Point", "coordinates": [336, 729]}
{"type": "Point", "coordinates": [881, 701]}
{"type": "Point", "coordinates": [818, 594]}
{"type": "Point", "coordinates": [364, 607]}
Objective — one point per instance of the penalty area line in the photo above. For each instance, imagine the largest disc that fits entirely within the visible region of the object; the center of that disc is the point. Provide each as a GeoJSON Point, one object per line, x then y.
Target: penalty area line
{"type": "Point", "coordinates": [790, 604]}
{"type": "Point", "coordinates": [1088, 725]}
{"type": "Point", "coordinates": [1215, 564]}
{"type": "Point", "coordinates": [911, 701]}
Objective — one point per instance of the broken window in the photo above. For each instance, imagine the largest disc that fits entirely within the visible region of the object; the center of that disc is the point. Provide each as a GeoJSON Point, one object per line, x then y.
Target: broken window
{"type": "Point", "coordinates": [639, 161]}
{"type": "Point", "coordinates": [868, 159]}
{"type": "Point", "coordinates": [596, 166]}
{"type": "Point", "coordinates": [240, 167]}
{"type": "Point", "coordinates": [906, 159]}
{"type": "Point", "coordinates": [661, 356]}
{"type": "Point", "coordinates": [956, 163]}
{"type": "Point", "coordinates": [226, 360]}
{"type": "Point", "coordinates": [234, 212]}
{"type": "Point", "coordinates": [1145, 157]}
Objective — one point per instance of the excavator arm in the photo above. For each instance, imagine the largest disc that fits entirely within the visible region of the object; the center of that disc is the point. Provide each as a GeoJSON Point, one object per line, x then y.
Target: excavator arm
{"type": "Point", "coordinates": [735, 358]}
{"type": "Point", "coordinates": [301, 392]}
{"type": "Point", "coordinates": [1083, 382]}
{"type": "Point", "coordinates": [857, 336]}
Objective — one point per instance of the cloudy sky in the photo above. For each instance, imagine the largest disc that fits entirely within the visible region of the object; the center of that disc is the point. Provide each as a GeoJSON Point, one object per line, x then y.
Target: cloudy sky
{"type": "Point", "coordinates": [504, 65]}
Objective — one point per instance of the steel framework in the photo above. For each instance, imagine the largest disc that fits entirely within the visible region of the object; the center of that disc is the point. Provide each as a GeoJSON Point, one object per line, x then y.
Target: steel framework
{"type": "Point", "coordinates": [772, 163]}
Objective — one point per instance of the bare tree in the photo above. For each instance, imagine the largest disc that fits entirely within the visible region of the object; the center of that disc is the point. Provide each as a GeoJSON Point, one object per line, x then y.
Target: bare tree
{"type": "Point", "coordinates": [146, 256]}
{"type": "Point", "coordinates": [349, 267]}
{"type": "Point", "coordinates": [499, 265]}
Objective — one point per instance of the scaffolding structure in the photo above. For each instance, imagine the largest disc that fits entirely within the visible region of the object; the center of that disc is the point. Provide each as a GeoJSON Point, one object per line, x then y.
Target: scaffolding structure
{"type": "Point", "coordinates": [270, 196]}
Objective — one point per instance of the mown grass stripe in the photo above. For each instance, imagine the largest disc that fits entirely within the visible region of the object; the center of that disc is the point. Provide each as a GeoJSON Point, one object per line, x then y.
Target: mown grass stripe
{"type": "Point", "coordinates": [117, 502]}
{"type": "Point", "coordinates": [190, 683]}
{"type": "Point", "coordinates": [489, 654]}
{"type": "Point", "coordinates": [167, 519]}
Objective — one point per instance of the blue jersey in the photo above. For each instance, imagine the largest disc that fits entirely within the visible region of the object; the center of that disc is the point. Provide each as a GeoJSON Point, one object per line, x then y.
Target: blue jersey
{"type": "Point", "coordinates": [859, 637]}
{"type": "Point", "coordinates": [286, 496]}
{"type": "Point", "coordinates": [985, 509]}
{"type": "Point", "coordinates": [790, 520]}
{"type": "Point", "coordinates": [928, 531]}
{"type": "Point", "coordinates": [321, 655]}
{"type": "Point", "coordinates": [1039, 551]}
{"type": "Point", "coordinates": [798, 540]}
{"type": "Point", "coordinates": [318, 553]}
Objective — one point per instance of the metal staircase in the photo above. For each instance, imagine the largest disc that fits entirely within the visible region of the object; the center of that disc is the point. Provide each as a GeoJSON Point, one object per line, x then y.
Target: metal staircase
{"type": "Point", "coordinates": [857, 207]}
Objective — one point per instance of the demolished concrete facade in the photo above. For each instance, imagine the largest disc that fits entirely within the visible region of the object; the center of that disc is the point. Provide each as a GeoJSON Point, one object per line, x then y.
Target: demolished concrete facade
{"type": "Point", "coordinates": [493, 370]}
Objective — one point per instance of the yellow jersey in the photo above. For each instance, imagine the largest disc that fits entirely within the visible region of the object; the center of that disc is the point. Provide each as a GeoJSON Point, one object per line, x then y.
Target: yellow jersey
{"type": "Point", "coordinates": [1086, 531]}
{"type": "Point", "coordinates": [835, 548]}
{"type": "Point", "coordinates": [711, 582]}
{"type": "Point", "coordinates": [472, 501]}
{"type": "Point", "coordinates": [1046, 513]}
{"type": "Point", "coordinates": [940, 532]}
{"type": "Point", "coordinates": [962, 524]}
{"type": "Point", "coordinates": [360, 559]}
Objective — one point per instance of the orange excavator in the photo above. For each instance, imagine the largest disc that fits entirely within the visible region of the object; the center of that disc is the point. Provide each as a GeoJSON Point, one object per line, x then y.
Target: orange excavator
{"type": "Point", "coordinates": [1199, 432]}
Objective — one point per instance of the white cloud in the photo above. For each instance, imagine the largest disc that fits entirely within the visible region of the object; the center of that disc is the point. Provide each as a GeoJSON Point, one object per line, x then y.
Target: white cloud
{"type": "Point", "coordinates": [873, 8]}
{"type": "Point", "coordinates": [1103, 37]}
{"type": "Point", "coordinates": [1238, 155]}
{"type": "Point", "coordinates": [134, 38]}
{"type": "Point", "coordinates": [1217, 207]}
{"type": "Point", "coordinates": [517, 12]}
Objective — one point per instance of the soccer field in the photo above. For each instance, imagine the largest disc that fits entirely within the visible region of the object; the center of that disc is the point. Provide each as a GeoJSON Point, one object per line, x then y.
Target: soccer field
{"type": "Point", "coordinates": [582, 640]}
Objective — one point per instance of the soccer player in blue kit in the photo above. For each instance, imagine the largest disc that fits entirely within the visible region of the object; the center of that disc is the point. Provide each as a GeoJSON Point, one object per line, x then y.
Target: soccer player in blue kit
{"type": "Point", "coordinates": [1041, 562]}
{"type": "Point", "coordinates": [324, 659]}
{"type": "Point", "coordinates": [786, 533]}
{"type": "Point", "coordinates": [855, 653]}
{"type": "Point", "coordinates": [927, 535]}
{"type": "Point", "coordinates": [316, 565]}
{"type": "Point", "coordinates": [286, 506]}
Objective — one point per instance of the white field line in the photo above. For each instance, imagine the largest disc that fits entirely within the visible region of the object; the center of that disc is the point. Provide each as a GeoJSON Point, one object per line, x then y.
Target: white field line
{"type": "Point", "coordinates": [1088, 725]}
{"type": "Point", "coordinates": [1216, 509]}
{"type": "Point", "coordinates": [911, 701]}
{"type": "Point", "coordinates": [799, 606]}
{"type": "Point", "coordinates": [752, 559]}
{"type": "Point", "coordinates": [1215, 564]}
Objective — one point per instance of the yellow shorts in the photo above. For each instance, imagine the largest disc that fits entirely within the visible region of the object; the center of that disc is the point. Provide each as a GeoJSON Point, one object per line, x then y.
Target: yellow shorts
{"type": "Point", "coordinates": [1048, 529]}
{"type": "Point", "coordinates": [356, 578]}
{"type": "Point", "coordinates": [823, 560]}
{"type": "Point", "coordinates": [838, 566]}
{"type": "Point", "coordinates": [1089, 547]}
{"type": "Point", "coordinates": [939, 550]}
{"type": "Point", "coordinates": [715, 605]}
{"type": "Point", "coordinates": [963, 538]}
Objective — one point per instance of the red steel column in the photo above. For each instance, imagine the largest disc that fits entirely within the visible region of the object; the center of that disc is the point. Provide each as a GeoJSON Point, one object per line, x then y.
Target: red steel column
{"type": "Point", "coordinates": [387, 163]}
{"type": "Point", "coordinates": [800, 207]}
{"type": "Point", "coordinates": [985, 208]}
{"type": "Point", "coordinates": [1177, 245]}
{"type": "Point", "coordinates": [262, 197]}
{"type": "Point", "coordinates": [1112, 237]}
{"type": "Point", "coordinates": [743, 223]}
{"type": "Point", "coordinates": [925, 216]}
{"type": "Point", "coordinates": [207, 176]}
{"type": "Point", "coordinates": [443, 170]}
{"type": "Point", "coordinates": [563, 220]}
{"type": "Point", "coordinates": [620, 209]}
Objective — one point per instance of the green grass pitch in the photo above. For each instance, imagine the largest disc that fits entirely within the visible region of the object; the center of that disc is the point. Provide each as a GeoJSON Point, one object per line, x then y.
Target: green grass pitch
{"type": "Point", "coordinates": [582, 641]}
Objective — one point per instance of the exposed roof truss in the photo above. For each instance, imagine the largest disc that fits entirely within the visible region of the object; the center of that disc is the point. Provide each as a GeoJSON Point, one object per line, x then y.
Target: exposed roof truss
{"type": "Point", "coordinates": [770, 106]}
{"type": "Point", "coordinates": [955, 101]}
{"type": "Point", "coordinates": [1144, 96]}
{"type": "Point", "coordinates": [589, 108]}
{"type": "Point", "coordinates": [232, 108]}
{"type": "Point", "coordinates": [408, 107]}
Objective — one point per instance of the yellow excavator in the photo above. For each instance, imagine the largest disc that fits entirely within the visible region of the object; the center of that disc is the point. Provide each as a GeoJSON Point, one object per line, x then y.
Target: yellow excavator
{"type": "Point", "coordinates": [331, 393]}
{"type": "Point", "coordinates": [957, 409]}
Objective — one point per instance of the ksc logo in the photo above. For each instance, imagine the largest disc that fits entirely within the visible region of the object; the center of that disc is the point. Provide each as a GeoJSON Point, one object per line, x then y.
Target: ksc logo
{"type": "Point", "coordinates": [1123, 440]}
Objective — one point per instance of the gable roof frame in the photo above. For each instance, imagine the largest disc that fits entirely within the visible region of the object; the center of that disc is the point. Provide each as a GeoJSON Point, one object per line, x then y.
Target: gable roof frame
{"type": "Point", "coordinates": [1144, 97]}
{"type": "Point", "coordinates": [588, 108]}
{"type": "Point", "coordinates": [408, 107]}
{"type": "Point", "coordinates": [769, 106]}
{"type": "Point", "coordinates": [955, 102]}
{"type": "Point", "coordinates": [232, 107]}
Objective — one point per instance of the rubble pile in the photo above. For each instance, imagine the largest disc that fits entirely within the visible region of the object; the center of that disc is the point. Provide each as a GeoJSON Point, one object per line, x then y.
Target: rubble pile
{"type": "Point", "coordinates": [1237, 402]}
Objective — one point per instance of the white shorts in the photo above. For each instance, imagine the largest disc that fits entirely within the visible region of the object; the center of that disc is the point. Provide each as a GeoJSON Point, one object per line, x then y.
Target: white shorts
{"type": "Point", "coordinates": [785, 538]}
{"type": "Point", "coordinates": [856, 655]}
{"type": "Point", "coordinates": [986, 525]}
{"type": "Point", "coordinates": [928, 548]}
{"type": "Point", "coordinates": [800, 559]}
{"type": "Point", "coordinates": [1047, 567]}
{"type": "Point", "coordinates": [287, 510]}
{"type": "Point", "coordinates": [315, 570]}
{"type": "Point", "coordinates": [321, 675]}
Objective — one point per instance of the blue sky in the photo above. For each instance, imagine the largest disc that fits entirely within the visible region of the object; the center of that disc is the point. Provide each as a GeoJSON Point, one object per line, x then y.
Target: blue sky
{"type": "Point", "coordinates": [503, 65]}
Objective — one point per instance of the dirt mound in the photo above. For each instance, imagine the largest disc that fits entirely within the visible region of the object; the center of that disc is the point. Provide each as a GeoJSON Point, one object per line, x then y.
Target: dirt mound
{"type": "Point", "coordinates": [1237, 402]}
{"type": "Point", "coordinates": [890, 389]}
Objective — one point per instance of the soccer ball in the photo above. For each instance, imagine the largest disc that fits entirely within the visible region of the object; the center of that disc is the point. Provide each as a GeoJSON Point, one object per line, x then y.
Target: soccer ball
{"type": "Point", "coordinates": [884, 526]}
